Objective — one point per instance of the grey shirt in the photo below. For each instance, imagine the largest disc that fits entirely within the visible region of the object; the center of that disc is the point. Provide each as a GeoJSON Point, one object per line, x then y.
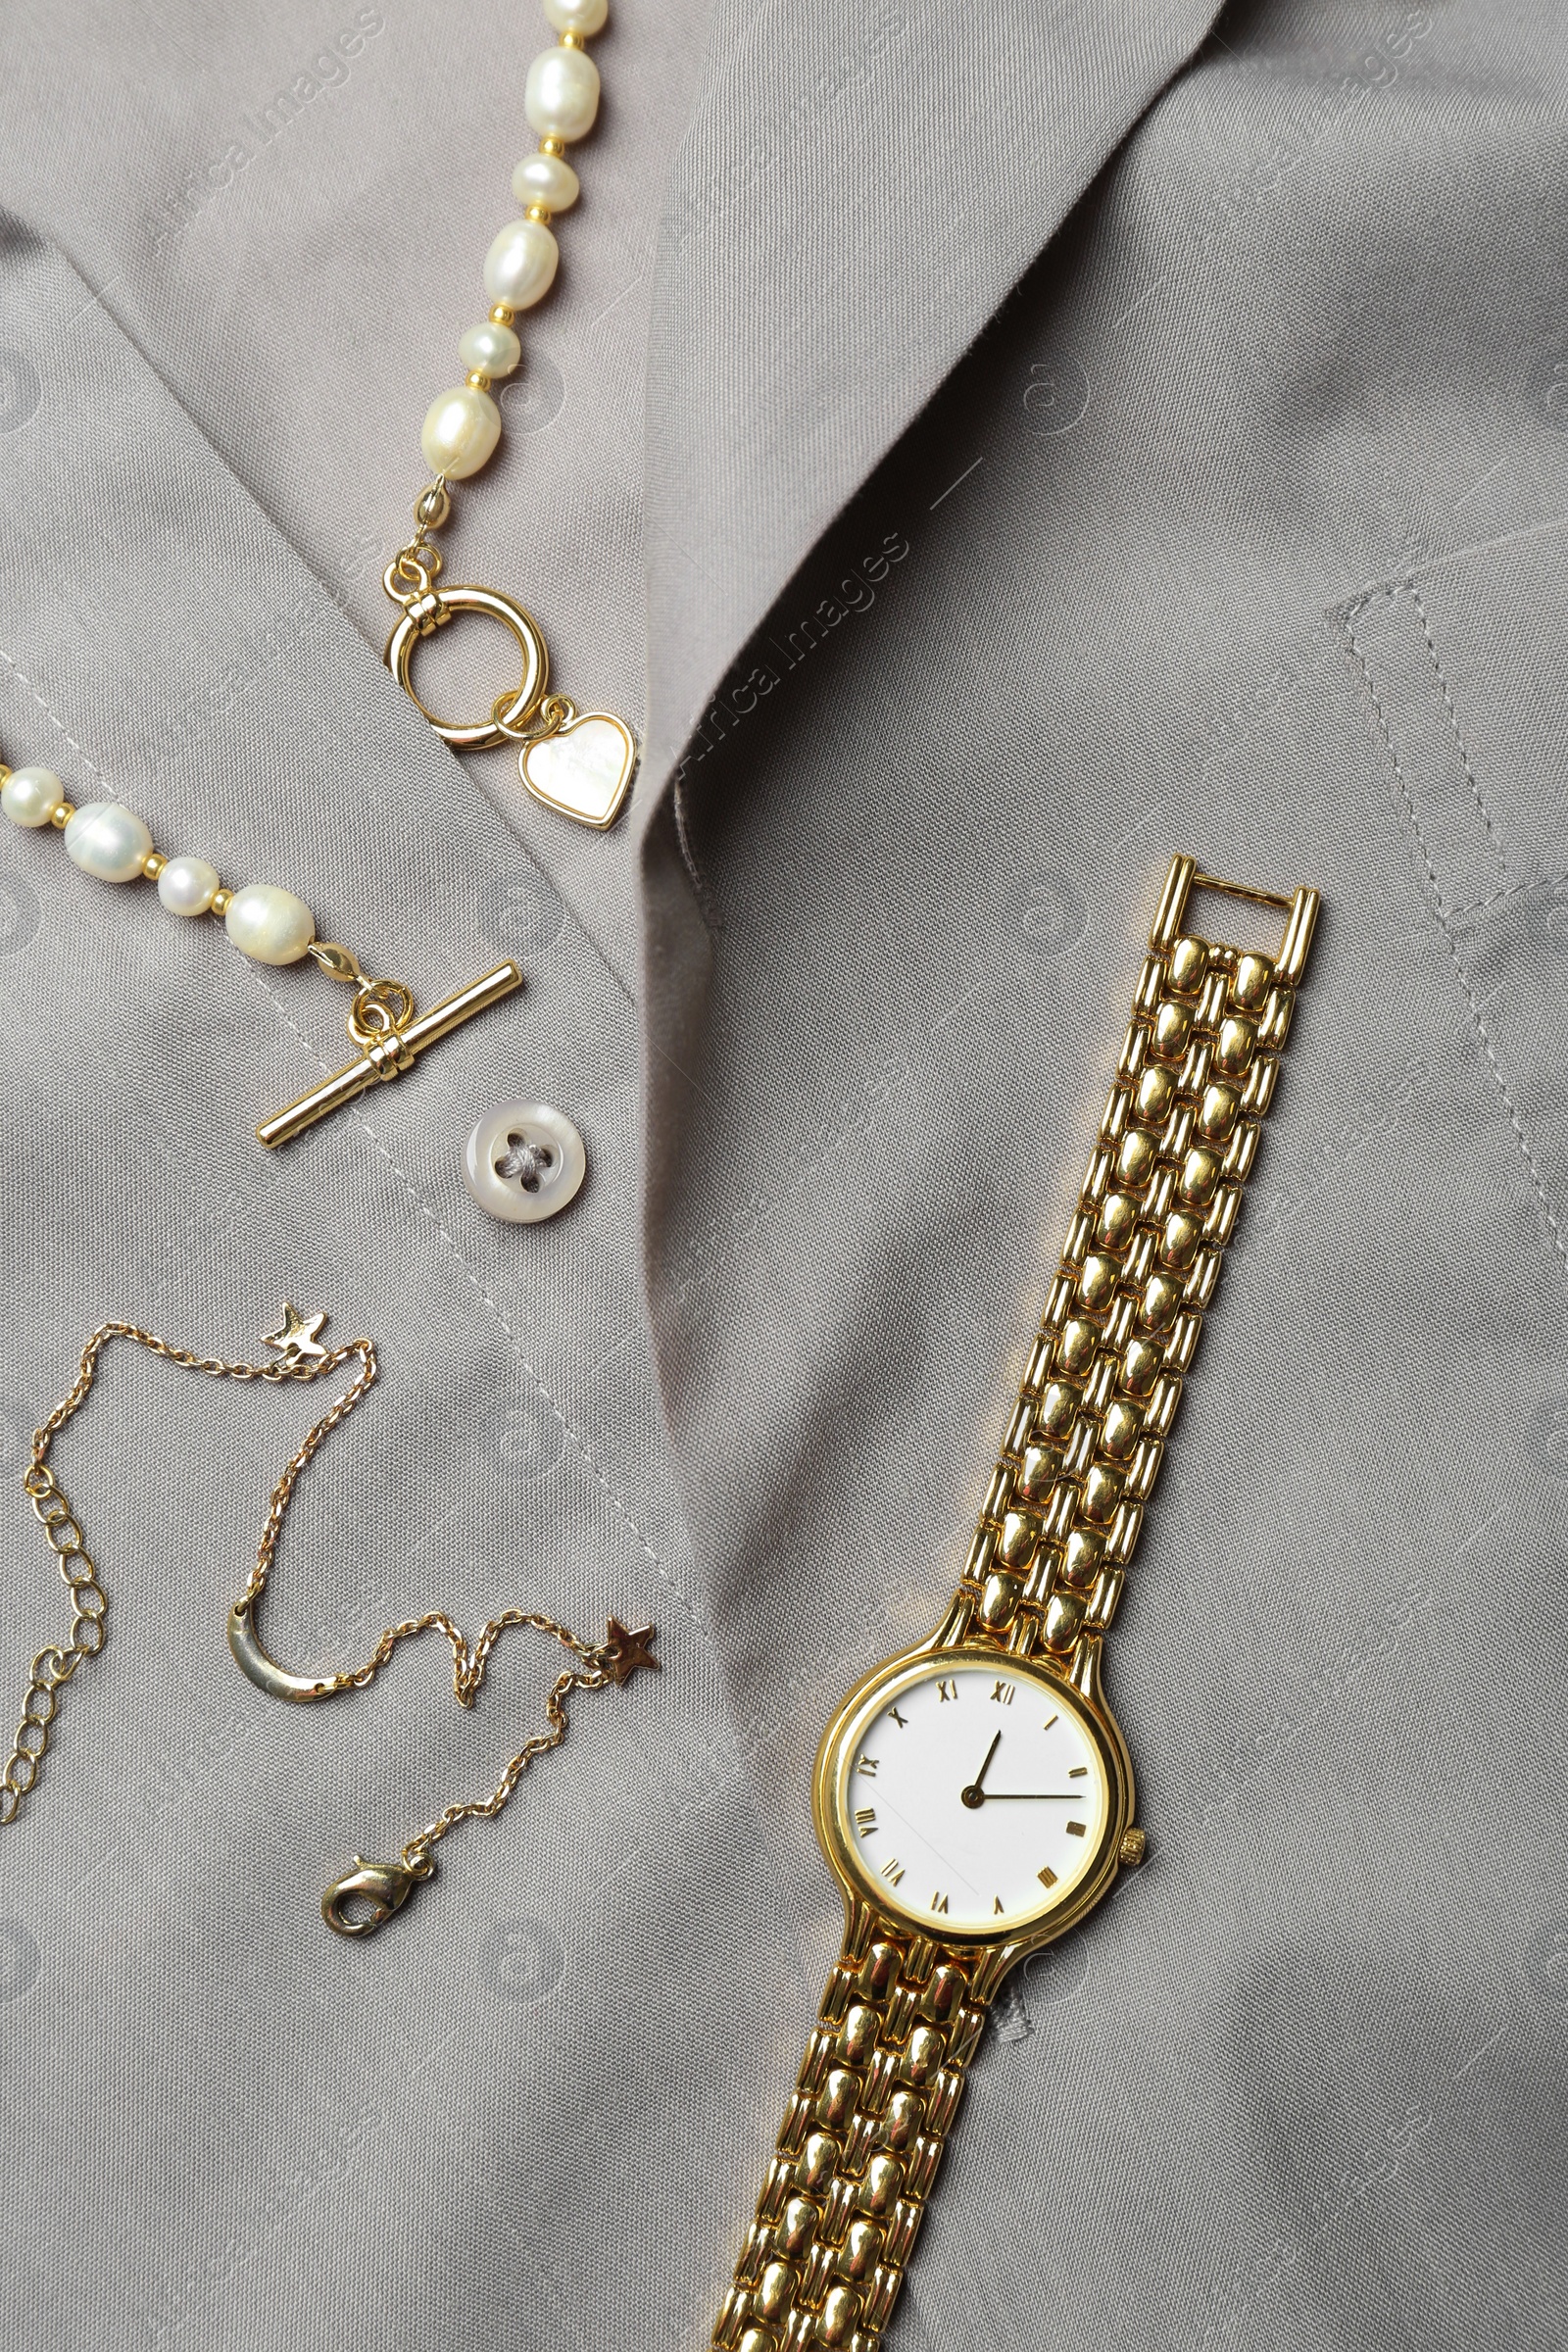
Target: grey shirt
{"type": "Point", "coordinates": [982, 455]}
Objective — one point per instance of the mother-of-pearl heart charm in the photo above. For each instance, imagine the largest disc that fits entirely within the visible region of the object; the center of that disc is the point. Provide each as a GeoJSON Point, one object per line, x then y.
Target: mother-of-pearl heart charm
{"type": "Point", "coordinates": [584, 771]}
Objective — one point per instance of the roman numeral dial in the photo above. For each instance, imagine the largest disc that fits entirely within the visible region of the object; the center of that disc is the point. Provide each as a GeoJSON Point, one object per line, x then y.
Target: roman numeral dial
{"type": "Point", "coordinates": [993, 1797]}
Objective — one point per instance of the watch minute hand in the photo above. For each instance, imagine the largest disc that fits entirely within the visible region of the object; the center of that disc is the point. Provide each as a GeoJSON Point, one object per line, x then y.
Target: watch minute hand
{"type": "Point", "coordinates": [1031, 1796]}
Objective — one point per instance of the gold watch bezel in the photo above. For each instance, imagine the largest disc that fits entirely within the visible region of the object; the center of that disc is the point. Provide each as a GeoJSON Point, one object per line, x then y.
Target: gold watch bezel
{"type": "Point", "coordinates": [830, 1803]}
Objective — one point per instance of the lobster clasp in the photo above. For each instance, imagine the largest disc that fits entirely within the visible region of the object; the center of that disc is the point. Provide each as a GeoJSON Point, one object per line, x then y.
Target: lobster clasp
{"type": "Point", "coordinates": [385, 1885]}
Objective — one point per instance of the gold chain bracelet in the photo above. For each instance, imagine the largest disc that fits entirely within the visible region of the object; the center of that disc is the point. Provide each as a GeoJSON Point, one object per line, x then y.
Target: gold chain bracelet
{"type": "Point", "coordinates": [368, 1894]}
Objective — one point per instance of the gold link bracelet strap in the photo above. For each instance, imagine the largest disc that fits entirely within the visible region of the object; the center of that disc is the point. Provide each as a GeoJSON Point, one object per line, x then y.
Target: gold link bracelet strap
{"type": "Point", "coordinates": [902, 2017]}
{"type": "Point", "coordinates": [862, 2141]}
{"type": "Point", "coordinates": [1159, 1205]}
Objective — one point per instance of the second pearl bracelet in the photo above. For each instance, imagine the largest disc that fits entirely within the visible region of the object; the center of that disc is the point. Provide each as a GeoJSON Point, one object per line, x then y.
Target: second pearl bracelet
{"type": "Point", "coordinates": [267, 923]}
{"type": "Point", "coordinates": [578, 764]}
{"type": "Point", "coordinates": [113, 843]}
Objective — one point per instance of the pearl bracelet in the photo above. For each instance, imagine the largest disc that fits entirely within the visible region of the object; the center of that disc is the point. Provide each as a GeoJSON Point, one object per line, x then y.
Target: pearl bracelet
{"type": "Point", "coordinates": [113, 843]}
{"type": "Point", "coordinates": [269, 925]}
{"type": "Point", "coordinates": [463, 427]}
{"type": "Point", "coordinates": [460, 434]}
{"type": "Point", "coordinates": [580, 764]}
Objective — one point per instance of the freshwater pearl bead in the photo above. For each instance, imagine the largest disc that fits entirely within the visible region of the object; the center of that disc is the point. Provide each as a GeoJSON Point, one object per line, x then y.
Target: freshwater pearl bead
{"type": "Point", "coordinates": [520, 268]}
{"type": "Point", "coordinates": [548, 181]}
{"type": "Point", "coordinates": [562, 96]}
{"type": "Point", "coordinates": [31, 794]}
{"type": "Point", "coordinates": [492, 348]}
{"type": "Point", "coordinates": [461, 430]}
{"type": "Point", "coordinates": [187, 886]}
{"type": "Point", "coordinates": [577, 16]}
{"type": "Point", "coordinates": [268, 924]}
{"type": "Point", "coordinates": [108, 841]}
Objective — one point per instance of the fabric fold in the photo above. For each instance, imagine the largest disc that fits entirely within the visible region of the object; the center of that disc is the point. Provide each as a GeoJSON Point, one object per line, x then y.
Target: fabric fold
{"type": "Point", "coordinates": [852, 199]}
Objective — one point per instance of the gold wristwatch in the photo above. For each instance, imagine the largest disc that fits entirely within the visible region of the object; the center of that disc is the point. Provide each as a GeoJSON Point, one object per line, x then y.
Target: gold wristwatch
{"type": "Point", "coordinates": [974, 1796]}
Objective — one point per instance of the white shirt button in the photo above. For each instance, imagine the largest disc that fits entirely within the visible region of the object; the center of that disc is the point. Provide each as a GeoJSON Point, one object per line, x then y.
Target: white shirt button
{"type": "Point", "coordinates": [525, 1163]}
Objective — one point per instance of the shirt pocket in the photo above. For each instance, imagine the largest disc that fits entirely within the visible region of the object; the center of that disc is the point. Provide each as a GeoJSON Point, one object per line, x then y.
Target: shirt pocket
{"type": "Point", "coordinates": [1465, 668]}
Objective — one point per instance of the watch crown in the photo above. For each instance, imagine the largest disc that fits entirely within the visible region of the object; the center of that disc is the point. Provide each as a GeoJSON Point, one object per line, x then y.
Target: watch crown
{"type": "Point", "coordinates": [1134, 1846]}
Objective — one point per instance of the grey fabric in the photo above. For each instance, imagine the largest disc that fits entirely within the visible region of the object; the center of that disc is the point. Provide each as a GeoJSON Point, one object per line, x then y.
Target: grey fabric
{"type": "Point", "coordinates": [1237, 526]}
{"type": "Point", "coordinates": [851, 201]}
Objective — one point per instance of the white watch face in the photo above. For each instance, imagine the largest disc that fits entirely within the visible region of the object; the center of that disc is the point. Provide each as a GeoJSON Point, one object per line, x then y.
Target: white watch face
{"type": "Point", "coordinates": [975, 1797]}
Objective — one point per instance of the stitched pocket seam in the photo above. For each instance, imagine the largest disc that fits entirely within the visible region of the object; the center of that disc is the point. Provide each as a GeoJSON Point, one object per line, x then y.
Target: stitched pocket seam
{"type": "Point", "coordinates": [1442, 913]}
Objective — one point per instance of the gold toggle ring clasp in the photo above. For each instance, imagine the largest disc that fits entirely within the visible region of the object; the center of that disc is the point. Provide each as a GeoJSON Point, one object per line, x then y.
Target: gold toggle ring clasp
{"type": "Point", "coordinates": [427, 613]}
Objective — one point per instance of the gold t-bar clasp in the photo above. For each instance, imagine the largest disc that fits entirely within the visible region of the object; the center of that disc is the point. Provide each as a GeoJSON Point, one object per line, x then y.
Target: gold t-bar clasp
{"type": "Point", "coordinates": [382, 1024]}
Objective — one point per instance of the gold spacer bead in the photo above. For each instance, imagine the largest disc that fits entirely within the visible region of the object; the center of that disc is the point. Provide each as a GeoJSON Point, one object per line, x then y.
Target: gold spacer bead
{"type": "Point", "coordinates": [553, 146]}
{"type": "Point", "coordinates": [222, 899]}
{"type": "Point", "coordinates": [477, 380]}
{"type": "Point", "coordinates": [4, 773]}
{"type": "Point", "coordinates": [502, 314]}
{"type": "Point", "coordinates": [433, 505]}
{"type": "Point", "coordinates": [63, 815]}
{"type": "Point", "coordinates": [539, 213]}
{"type": "Point", "coordinates": [153, 865]}
{"type": "Point", "coordinates": [571, 41]}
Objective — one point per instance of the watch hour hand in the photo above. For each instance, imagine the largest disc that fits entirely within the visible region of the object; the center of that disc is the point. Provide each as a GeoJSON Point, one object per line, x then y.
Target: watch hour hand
{"type": "Point", "coordinates": [1031, 1796]}
{"type": "Point", "coordinates": [974, 1796]}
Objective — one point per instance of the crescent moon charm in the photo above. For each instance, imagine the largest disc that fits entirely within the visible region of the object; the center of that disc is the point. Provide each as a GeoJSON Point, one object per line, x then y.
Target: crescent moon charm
{"type": "Point", "coordinates": [265, 1672]}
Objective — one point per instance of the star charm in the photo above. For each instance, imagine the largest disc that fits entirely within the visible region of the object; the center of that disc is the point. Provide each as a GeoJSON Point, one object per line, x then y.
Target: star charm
{"type": "Point", "coordinates": [623, 1651]}
{"type": "Point", "coordinates": [295, 1338]}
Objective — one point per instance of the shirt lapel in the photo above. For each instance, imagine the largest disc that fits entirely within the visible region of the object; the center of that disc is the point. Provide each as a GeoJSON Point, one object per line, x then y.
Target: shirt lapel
{"type": "Point", "coordinates": [854, 196]}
